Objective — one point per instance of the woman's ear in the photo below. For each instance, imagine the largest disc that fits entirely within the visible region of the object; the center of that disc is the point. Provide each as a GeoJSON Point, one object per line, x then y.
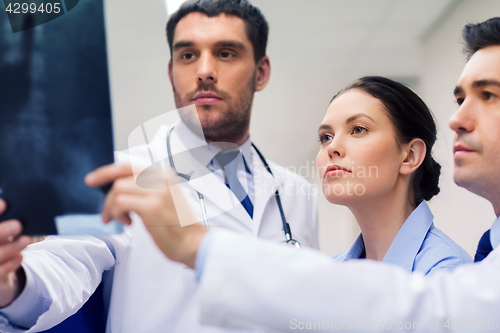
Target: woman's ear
{"type": "Point", "coordinates": [415, 151]}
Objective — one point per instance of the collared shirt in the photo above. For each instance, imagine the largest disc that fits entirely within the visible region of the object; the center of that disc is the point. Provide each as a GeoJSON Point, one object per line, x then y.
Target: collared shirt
{"type": "Point", "coordinates": [190, 139]}
{"type": "Point", "coordinates": [418, 246]}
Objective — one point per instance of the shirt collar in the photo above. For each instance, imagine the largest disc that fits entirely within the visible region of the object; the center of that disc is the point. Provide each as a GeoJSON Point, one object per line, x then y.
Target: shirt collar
{"type": "Point", "coordinates": [190, 139]}
{"type": "Point", "coordinates": [495, 233]}
{"type": "Point", "coordinates": [408, 241]}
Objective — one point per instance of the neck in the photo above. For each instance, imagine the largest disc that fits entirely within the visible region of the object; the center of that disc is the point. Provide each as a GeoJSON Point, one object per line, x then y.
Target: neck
{"type": "Point", "coordinates": [228, 143]}
{"type": "Point", "coordinates": [213, 134]}
{"type": "Point", "coordinates": [496, 207]}
{"type": "Point", "coordinates": [493, 196]}
{"type": "Point", "coordinates": [380, 219]}
{"type": "Point", "coordinates": [489, 192]}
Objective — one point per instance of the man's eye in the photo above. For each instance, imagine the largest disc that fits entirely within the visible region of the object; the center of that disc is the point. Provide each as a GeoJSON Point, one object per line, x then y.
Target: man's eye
{"type": "Point", "coordinates": [324, 138]}
{"type": "Point", "coordinates": [460, 100]}
{"type": "Point", "coordinates": [187, 56]}
{"type": "Point", "coordinates": [358, 130]}
{"type": "Point", "coordinates": [226, 54]}
{"type": "Point", "coordinates": [487, 95]}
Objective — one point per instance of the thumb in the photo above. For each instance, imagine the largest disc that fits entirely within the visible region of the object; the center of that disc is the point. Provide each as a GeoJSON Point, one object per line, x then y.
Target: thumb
{"type": "Point", "coordinates": [3, 206]}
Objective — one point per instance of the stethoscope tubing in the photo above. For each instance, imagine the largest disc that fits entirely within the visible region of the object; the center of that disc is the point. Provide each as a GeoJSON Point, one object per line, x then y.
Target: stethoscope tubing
{"type": "Point", "coordinates": [286, 227]}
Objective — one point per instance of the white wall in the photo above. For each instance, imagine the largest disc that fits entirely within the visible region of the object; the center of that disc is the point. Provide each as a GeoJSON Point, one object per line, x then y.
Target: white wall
{"type": "Point", "coordinates": [459, 213]}
{"type": "Point", "coordinates": [138, 57]}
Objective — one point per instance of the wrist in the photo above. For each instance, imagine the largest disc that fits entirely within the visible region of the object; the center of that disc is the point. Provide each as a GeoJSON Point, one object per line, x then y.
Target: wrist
{"type": "Point", "coordinates": [190, 245]}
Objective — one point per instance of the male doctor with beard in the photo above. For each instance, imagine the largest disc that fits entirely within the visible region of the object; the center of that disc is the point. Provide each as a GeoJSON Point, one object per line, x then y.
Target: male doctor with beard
{"type": "Point", "coordinates": [218, 60]}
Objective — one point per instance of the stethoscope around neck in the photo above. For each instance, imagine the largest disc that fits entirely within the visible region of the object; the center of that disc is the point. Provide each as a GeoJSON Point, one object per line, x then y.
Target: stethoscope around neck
{"type": "Point", "coordinates": [286, 227]}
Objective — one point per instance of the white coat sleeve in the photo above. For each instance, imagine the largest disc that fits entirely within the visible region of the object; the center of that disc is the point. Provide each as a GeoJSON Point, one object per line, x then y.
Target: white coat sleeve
{"type": "Point", "coordinates": [66, 270]}
{"type": "Point", "coordinates": [249, 283]}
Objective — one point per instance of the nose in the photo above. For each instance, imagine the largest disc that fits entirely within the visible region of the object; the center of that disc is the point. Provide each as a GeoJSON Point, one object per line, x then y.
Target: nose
{"type": "Point", "coordinates": [463, 119]}
{"type": "Point", "coordinates": [207, 69]}
{"type": "Point", "coordinates": [335, 148]}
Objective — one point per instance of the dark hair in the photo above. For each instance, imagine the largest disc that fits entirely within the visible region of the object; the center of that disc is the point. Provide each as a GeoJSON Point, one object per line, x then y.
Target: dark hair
{"type": "Point", "coordinates": [481, 35]}
{"type": "Point", "coordinates": [256, 25]}
{"type": "Point", "coordinates": [411, 119]}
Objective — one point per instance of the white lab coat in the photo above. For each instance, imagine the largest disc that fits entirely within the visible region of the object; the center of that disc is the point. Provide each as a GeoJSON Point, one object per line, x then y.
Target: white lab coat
{"type": "Point", "coordinates": [149, 292]}
{"type": "Point", "coordinates": [310, 292]}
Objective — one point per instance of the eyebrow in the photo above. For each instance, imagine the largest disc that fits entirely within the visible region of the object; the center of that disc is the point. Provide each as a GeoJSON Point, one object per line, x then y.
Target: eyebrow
{"type": "Point", "coordinates": [230, 43]}
{"type": "Point", "coordinates": [356, 116]}
{"type": "Point", "coordinates": [483, 83]}
{"type": "Point", "coordinates": [325, 127]}
{"type": "Point", "coordinates": [351, 118]}
{"type": "Point", "coordinates": [180, 44]}
{"type": "Point", "coordinates": [477, 84]}
{"type": "Point", "coordinates": [223, 43]}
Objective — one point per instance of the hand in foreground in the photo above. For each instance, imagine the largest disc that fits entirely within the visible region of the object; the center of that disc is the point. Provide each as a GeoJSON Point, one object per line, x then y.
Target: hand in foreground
{"type": "Point", "coordinates": [154, 206]}
{"type": "Point", "coordinates": [12, 277]}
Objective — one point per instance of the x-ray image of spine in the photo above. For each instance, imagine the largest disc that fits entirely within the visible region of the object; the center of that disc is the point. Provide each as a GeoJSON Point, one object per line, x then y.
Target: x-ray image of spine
{"type": "Point", "coordinates": [55, 123]}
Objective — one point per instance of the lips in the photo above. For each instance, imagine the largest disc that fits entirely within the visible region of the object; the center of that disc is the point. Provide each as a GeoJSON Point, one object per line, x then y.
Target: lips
{"type": "Point", "coordinates": [459, 149]}
{"type": "Point", "coordinates": [206, 98]}
{"type": "Point", "coordinates": [335, 170]}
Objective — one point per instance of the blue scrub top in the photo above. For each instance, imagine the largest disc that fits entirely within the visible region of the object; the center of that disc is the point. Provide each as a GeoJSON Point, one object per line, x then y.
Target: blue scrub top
{"type": "Point", "coordinates": [418, 246]}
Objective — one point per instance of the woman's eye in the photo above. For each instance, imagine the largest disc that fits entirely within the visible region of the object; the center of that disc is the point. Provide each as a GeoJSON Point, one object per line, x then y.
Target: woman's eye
{"type": "Point", "coordinates": [460, 100]}
{"type": "Point", "coordinates": [324, 138]}
{"type": "Point", "coordinates": [358, 130]}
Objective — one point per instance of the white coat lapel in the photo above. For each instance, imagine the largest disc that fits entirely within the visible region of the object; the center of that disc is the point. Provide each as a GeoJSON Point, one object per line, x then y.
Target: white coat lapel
{"type": "Point", "coordinates": [218, 197]}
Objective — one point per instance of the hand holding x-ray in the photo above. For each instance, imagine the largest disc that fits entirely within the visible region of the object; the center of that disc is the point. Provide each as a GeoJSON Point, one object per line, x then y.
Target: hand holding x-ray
{"type": "Point", "coordinates": [155, 205]}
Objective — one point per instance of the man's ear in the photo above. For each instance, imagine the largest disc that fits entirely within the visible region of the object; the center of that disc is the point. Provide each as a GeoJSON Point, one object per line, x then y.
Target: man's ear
{"type": "Point", "coordinates": [415, 151]}
{"type": "Point", "coordinates": [170, 72]}
{"type": "Point", "coordinates": [263, 73]}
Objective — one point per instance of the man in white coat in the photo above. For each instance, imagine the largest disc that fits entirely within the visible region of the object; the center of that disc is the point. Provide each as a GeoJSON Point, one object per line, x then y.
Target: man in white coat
{"type": "Point", "coordinates": [246, 283]}
{"type": "Point", "coordinates": [218, 60]}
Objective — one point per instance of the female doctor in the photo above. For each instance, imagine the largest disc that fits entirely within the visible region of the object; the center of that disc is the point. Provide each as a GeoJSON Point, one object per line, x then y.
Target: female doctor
{"type": "Point", "coordinates": [375, 158]}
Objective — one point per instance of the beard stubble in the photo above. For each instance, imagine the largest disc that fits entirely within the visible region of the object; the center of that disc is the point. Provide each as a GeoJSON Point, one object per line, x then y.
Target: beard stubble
{"type": "Point", "coordinates": [228, 125]}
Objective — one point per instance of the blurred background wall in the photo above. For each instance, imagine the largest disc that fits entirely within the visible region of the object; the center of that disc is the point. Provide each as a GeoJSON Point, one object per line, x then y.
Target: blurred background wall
{"type": "Point", "coordinates": [317, 47]}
